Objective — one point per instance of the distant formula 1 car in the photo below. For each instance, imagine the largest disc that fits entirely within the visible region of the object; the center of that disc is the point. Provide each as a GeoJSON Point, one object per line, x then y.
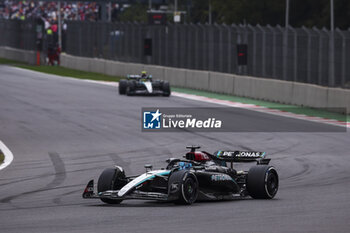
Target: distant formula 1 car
{"type": "Point", "coordinates": [200, 176]}
{"type": "Point", "coordinates": [143, 85]}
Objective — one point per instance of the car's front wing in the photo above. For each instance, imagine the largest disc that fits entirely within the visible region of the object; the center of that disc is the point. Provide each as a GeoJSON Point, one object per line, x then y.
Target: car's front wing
{"type": "Point", "coordinates": [113, 194]}
{"type": "Point", "coordinates": [145, 92]}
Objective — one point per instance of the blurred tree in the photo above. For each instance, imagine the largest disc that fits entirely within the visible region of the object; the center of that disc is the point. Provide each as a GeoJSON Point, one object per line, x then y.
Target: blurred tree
{"type": "Point", "coordinates": [240, 11]}
{"type": "Point", "coordinates": [136, 12]}
{"type": "Point", "coordinates": [309, 13]}
{"type": "Point", "coordinates": [302, 12]}
{"type": "Point", "coordinates": [317, 13]}
{"type": "Point", "coordinates": [342, 13]}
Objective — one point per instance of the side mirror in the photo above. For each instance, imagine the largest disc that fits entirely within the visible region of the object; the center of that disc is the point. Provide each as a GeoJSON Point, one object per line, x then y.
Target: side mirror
{"type": "Point", "coordinates": [148, 167]}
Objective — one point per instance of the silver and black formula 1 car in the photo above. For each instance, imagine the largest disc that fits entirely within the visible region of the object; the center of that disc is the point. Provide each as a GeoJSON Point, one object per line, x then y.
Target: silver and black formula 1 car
{"type": "Point", "coordinates": [199, 176]}
{"type": "Point", "coordinates": [143, 85]}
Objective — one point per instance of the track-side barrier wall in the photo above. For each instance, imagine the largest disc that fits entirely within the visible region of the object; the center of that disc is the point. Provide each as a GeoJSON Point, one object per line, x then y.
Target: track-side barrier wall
{"type": "Point", "coordinates": [18, 55]}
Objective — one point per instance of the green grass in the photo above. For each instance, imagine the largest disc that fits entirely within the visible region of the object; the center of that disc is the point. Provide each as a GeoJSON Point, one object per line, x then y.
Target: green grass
{"type": "Point", "coordinates": [2, 157]}
{"type": "Point", "coordinates": [4, 61]}
{"type": "Point", "coordinates": [57, 70]}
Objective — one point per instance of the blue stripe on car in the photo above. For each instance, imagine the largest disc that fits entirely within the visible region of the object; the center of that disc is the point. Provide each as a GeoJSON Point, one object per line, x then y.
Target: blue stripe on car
{"type": "Point", "coordinates": [151, 177]}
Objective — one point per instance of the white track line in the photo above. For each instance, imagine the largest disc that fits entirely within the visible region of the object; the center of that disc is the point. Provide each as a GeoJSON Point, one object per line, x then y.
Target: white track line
{"type": "Point", "coordinates": [115, 84]}
{"type": "Point", "coordinates": [263, 109]}
{"type": "Point", "coordinates": [8, 155]}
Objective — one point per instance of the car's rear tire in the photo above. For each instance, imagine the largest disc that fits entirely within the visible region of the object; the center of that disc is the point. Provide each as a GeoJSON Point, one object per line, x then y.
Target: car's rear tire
{"type": "Point", "coordinates": [122, 86]}
{"type": "Point", "coordinates": [107, 181]}
{"type": "Point", "coordinates": [262, 182]}
{"type": "Point", "coordinates": [188, 190]}
{"type": "Point", "coordinates": [166, 89]}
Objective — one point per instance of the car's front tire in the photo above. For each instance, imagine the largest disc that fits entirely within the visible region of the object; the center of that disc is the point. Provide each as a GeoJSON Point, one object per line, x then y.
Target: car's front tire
{"type": "Point", "coordinates": [122, 86]}
{"type": "Point", "coordinates": [166, 89]}
{"type": "Point", "coordinates": [262, 182]}
{"type": "Point", "coordinates": [107, 181]}
{"type": "Point", "coordinates": [130, 89]}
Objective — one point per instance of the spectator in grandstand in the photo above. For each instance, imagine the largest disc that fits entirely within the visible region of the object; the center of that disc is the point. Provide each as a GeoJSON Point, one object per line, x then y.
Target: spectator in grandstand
{"type": "Point", "coordinates": [48, 10]}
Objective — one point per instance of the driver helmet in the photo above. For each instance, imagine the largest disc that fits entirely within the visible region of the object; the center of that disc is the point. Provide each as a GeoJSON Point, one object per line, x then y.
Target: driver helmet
{"type": "Point", "coordinates": [143, 74]}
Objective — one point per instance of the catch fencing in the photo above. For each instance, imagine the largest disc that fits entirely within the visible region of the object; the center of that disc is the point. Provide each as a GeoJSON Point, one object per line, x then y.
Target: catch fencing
{"type": "Point", "coordinates": [20, 34]}
{"type": "Point", "coordinates": [297, 54]}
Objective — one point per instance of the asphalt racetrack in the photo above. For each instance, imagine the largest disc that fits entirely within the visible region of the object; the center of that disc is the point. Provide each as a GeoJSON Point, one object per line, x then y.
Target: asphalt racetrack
{"type": "Point", "coordinates": [64, 132]}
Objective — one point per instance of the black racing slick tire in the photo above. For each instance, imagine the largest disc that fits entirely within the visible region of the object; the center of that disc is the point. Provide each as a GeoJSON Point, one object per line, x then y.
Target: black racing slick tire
{"type": "Point", "coordinates": [166, 89]}
{"type": "Point", "coordinates": [262, 182]}
{"type": "Point", "coordinates": [188, 190]}
{"type": "Point", "coordinates": [130, 89]}
{"type": "Point", "coordinates": [106, 181]}
{"type": "Point", "coordinates": [122, 86]}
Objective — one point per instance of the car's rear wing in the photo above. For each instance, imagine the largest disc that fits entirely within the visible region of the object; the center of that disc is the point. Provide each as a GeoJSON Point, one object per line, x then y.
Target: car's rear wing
{"type": "Point", "coordinates": [136, 76]}
{"type": "Point", "coordinates": [242, 156]}
{"type": "Point", "coordinates": [131, 76]}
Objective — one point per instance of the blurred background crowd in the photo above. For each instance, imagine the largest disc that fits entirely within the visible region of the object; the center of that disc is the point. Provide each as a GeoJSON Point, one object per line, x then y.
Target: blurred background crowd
{"type": "Point", "coordinates": [48, 10]}
{"type": "Point", "coordinates": [308, 13]}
